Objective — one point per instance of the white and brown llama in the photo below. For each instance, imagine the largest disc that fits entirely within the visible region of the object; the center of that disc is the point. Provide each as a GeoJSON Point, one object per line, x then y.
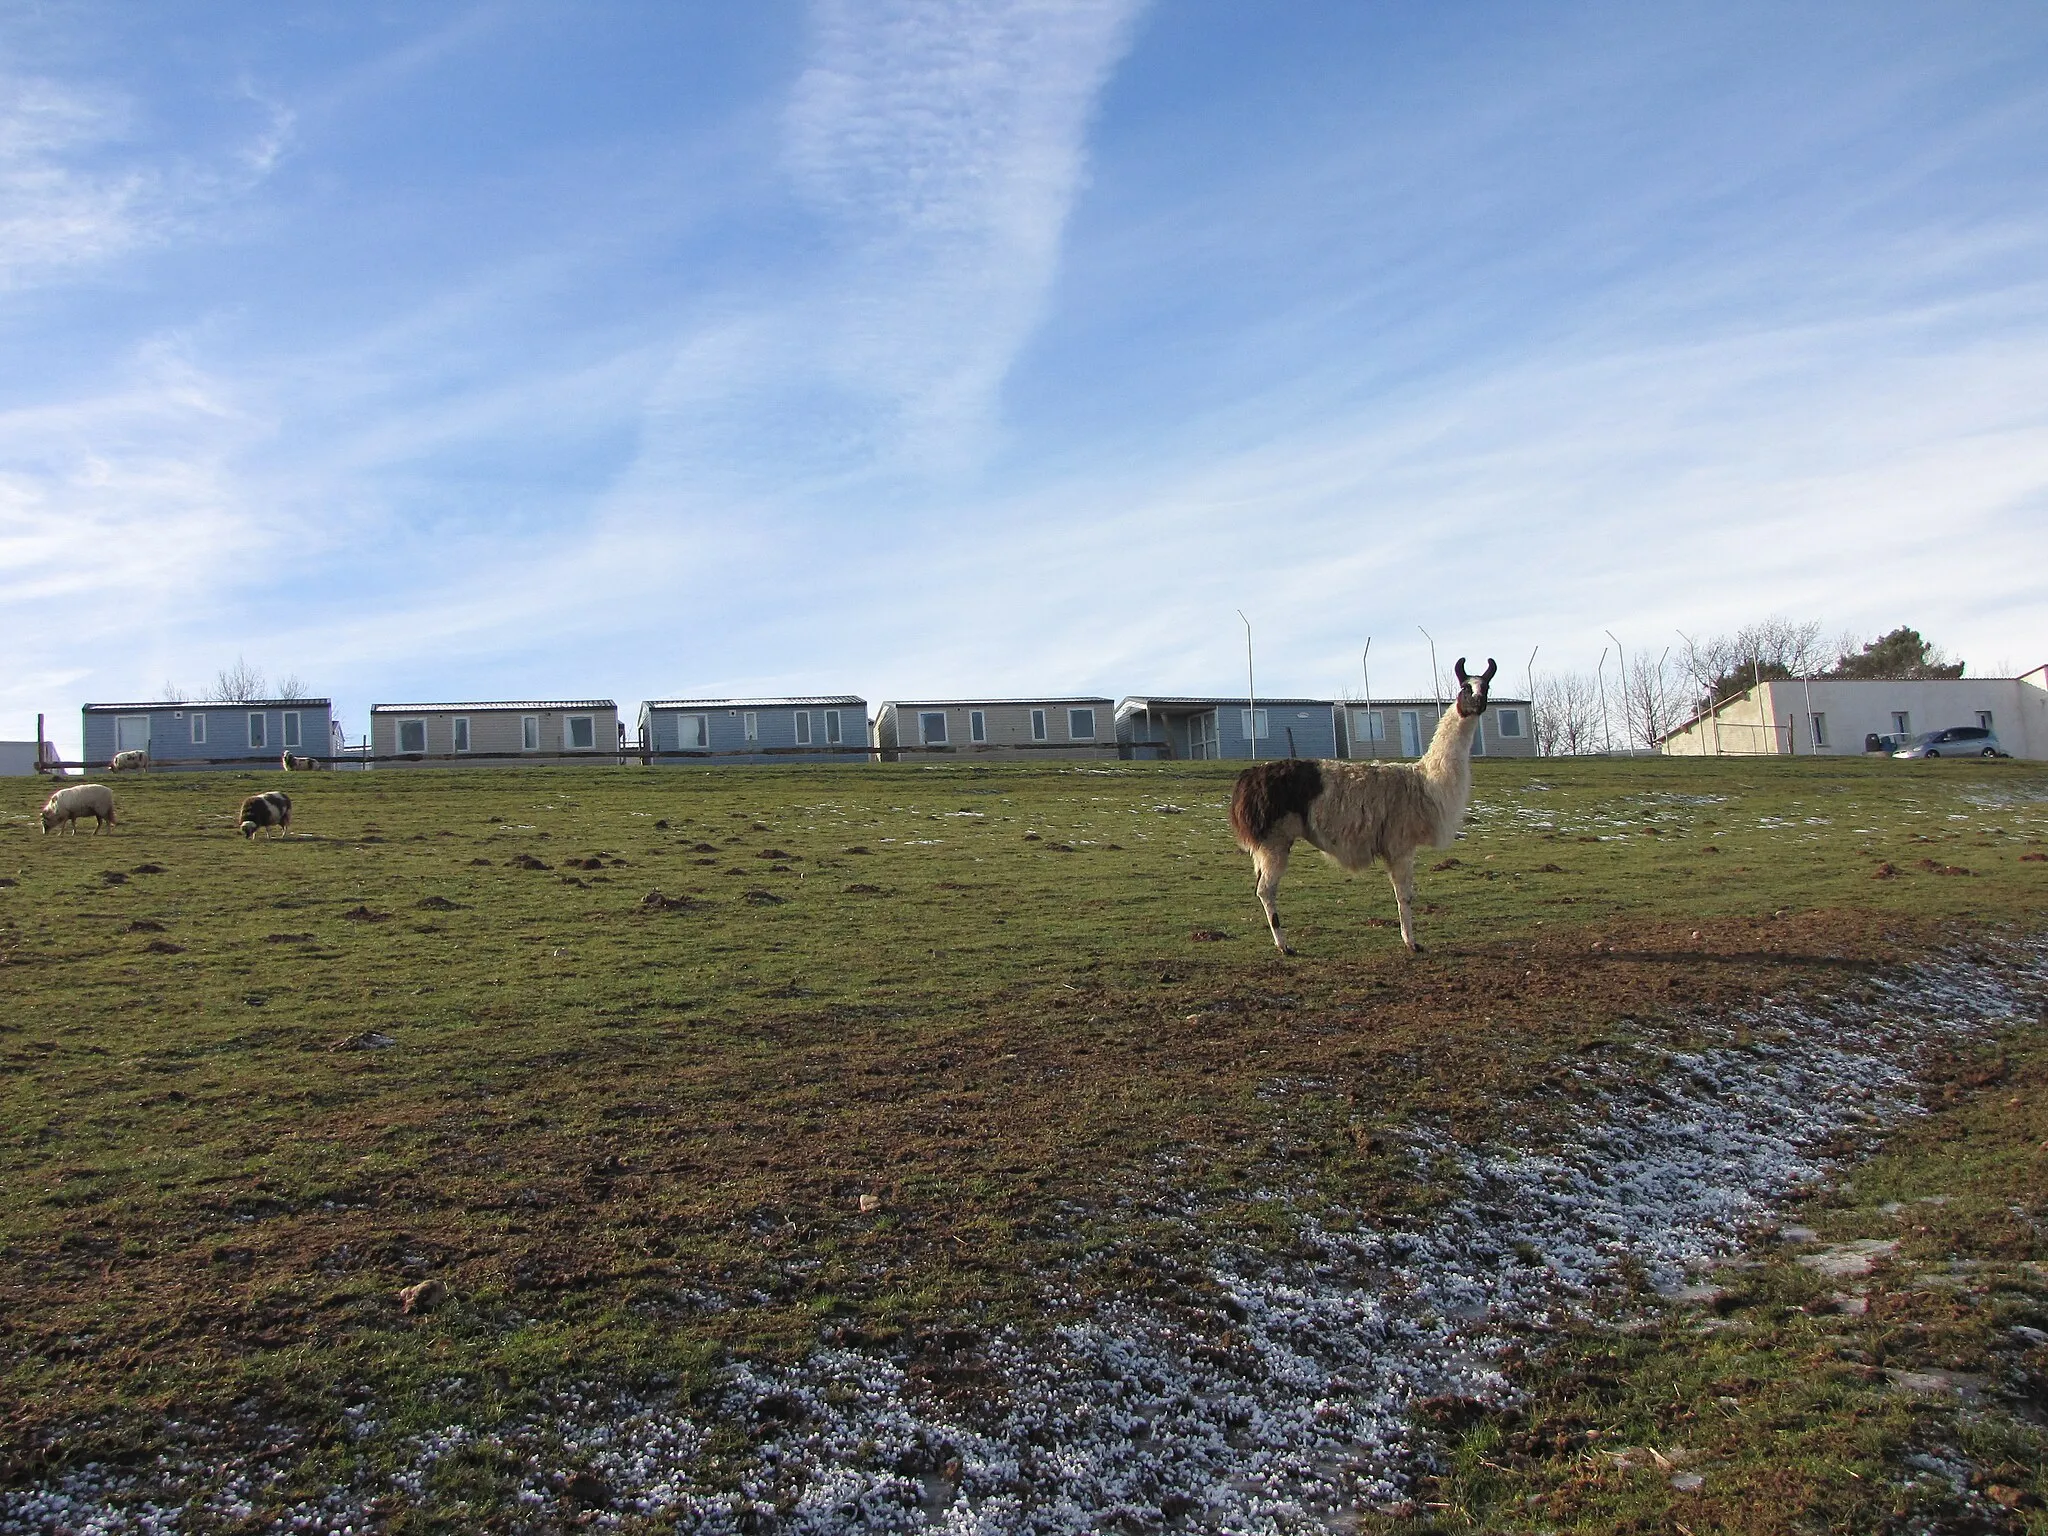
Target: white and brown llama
{"type": "Point", "coordinates": [1356, 812]}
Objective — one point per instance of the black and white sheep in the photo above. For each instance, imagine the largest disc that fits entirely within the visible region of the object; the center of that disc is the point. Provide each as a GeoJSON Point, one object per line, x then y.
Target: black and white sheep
{"type": "Point", "coordinates": [271, 809]}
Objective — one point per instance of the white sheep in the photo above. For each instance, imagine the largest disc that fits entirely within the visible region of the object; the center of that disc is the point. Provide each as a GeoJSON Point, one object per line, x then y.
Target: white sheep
{"type": "Point", "coordinates": [1356, 812]}
{"type": "Point", "coordinates": [272, 809]}
{"type": "Point", "coordinates": [133, 758]}
{"type": "Point", "coordinates": [68, 806]}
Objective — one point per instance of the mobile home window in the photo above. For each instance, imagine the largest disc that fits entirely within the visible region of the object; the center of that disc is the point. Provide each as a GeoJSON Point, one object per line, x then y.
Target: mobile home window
{"type": "Point", "coordinates": [462, 733]}
{"type": "Point", "coordinates": [1038, 731]}
{"type": "Point", "coordinates": [832, 727]}
{"type": "Point", "coordinates": [1510, 723]}
{"type": "Point", "coordinates": [1984, 718]}
{"type": "Point", "coordinates": [579, 733]}
{"type": "Point", "coordinates": [803, 727]}
{"type": "Point", "coordinates": [977, 725]}
{"type": "Point", "coordinates": [256, 732]}
{"type": "Point", "coordinates": [131, 733]}
{"type": "Point", "coordinates": [412, 736]}
{"type": "Point", "coordinates": [931, 727]}
{"type": "Point", "coordinates": [693, 732]}
{"type": "Point", "coordinates": [291, 727]}
{"type": "Point", "coordinates": [198, 729]}
{"type": "Point", "coordinates": [1080, 725]}
{"type": "Point", "coordinates": [1368, 725]}
{"type": "Point", "coordinates": [1902, 723]}
{"type": "Point", "coordinates": [750, 727]}
{"type": "Point", "coordinates": [529, 733]}
{"type": "Point", "coordinates": [1819, 725]}
{"type": "Point", "coordinates": [1253, 720]}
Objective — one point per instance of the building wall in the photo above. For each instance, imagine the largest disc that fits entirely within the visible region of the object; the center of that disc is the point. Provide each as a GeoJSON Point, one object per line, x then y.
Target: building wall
{"type": "Point", "coordinates": [497, 730]}
{"type": "Point", "coordinates": [775, 727]}
{"type": "Point", "coordinates": [1007, 728]}
{"type": "Point", "coordinates": [1313, 727]}
{"type": "Point", "coordinates": [1491, 741]}
{"type": "Point", "coordinates": [17, 758]}
{"type": "Point", "coordinates": [227, 733]}
{"type": "Point", "coordinates": [1773, 720]}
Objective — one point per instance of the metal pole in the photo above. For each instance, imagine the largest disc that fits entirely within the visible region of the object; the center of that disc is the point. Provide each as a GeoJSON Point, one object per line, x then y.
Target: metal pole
{"type": "Point", "coordinates": [1436, 690]}
{"type": "Point", "coordinates": [1658, 724]}
{"type": "Point", "coordinates": [1808, 682]}
{"type": "Point", "coordinates": [1600, 686]}
{"type": "Point", "coordinates": [1364, 658]}
{"type": "Point", "coordinates": [1621, 670]}
{"type": "Point", "coordinates": [1531, 676]}
{"type": "Point", "coordinates": [39, 742]}
{"type": "Point", "coordinates": [1251, 691]}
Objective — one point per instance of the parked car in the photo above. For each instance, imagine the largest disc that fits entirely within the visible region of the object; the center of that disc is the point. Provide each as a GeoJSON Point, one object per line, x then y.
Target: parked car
{"type": "Point", "coordinates": [1956, 741]}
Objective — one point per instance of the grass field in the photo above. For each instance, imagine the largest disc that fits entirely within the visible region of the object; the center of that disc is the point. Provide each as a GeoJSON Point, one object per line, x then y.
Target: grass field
{"type": "Point", "coordinates": [900, 1059]}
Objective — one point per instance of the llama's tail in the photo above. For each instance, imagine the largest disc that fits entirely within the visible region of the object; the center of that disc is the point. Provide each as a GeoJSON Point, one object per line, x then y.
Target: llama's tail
{"type": "Point", "coordinates": [1267, 794]}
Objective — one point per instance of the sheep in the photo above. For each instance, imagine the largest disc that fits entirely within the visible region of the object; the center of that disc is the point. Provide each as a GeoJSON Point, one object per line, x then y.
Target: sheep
{"type": "Point", "coordinates": [1354, 812]}
{"type": "Point", "coordinates": [133, 758]}
{"type": "Point", "coordinates": [291, 762]}
{"type": "Point", "coordinates": [272, 809]}
{"type": "Point", "coordinates": [67, 806]}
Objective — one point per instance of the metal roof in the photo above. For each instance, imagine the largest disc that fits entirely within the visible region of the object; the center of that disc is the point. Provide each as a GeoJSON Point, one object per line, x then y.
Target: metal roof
{"type": "Point", "coordinates": [977, 703]}
{"type": "Point", "coordinates": [1220, 701]}
{"type": "Point", "coordinates": [491, 704]}
{"type": "Point", "coordinates": [220, 704]}
{"type": "Point", "coordinates": [799, 701]}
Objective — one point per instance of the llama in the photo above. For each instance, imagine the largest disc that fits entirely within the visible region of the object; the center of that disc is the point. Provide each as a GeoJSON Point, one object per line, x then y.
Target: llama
{"type": "Point", "coordinates": [1355, 812]}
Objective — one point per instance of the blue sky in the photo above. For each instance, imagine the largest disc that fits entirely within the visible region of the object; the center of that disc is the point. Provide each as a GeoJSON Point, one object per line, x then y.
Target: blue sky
{"type": "Point", "coordinates": [968, 347]}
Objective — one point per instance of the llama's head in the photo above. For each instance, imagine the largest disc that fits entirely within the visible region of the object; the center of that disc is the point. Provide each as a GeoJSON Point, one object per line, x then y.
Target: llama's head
{"type": "Point", "coordinates": [1472, 690]}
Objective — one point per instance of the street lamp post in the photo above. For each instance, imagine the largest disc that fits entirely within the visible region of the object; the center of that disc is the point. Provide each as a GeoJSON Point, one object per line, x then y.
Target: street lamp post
{"type": "Point", "coordinates": [1251, 691]}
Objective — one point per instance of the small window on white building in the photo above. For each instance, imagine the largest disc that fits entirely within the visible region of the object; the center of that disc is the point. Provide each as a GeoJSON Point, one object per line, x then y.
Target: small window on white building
{"type": "Point", "coordinates": [693, 733]}
{"type": "Point", "coordinates": [1984, 718]}
{"type": "Point", "coordinates": [579, 732]}
{"type": "Point", "coordinates": [291, 727]}
{"type": "Point", "coordinates": [529, 733]}
{"type": "Point", "coordinates": [131, 733]}
{"type": "Point", "coordinates": [977, 725]}
{"type": "Point", "coordinates": [1818, 724]}
{"type": "Point", "coordinates": [1510, 723]}
{"type": "Point", "coordinates": [412, 736]}
{"type": "Point", "coordinates": [831, 727]}
{"type": "Point", "coordinates": [461, 724]}
{"type": "Point", "coordinates": [1247, 724]}
{"type": "Point", "coordinates": [1038, 727]}
{"type": "Point", "coordinates": [750, 727]}
{"type": "Point", "coordinates": [198, 729]}
{"type": "Point", "coordinates": [931, 727]}
{"type": "Point", "coordinates": [257, 735]}
{"type": "Point", "coordinates": [1080, 725]}
{"type": "Point", "coordinates": [1902, 723]}
{"type": "Point", "coordinates": [803, 727]}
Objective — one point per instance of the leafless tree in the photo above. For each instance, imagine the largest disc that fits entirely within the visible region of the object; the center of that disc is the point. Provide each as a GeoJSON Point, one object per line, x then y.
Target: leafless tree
{"type": "Point", "coordinates": [290, 686]}
{"type": "Point", "coordinates": [238, 684]}
{"type": "Point", "coordinates": [172, 693]}
{"type": "Point", "coordinates": [1565, 714]}
{"type": "Point", "coordinates": [1652, 697]}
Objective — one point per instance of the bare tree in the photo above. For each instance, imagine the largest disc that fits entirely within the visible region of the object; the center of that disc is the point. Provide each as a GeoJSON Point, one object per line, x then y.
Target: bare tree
{"type": "Point", "coordinates": [1565, 714]}
{"type": "Point", "coordinates": [290, 686]}
{"type": "Point", "coordinates": [1652, 698]}
{"type": "Point", "coordinates": [238, 684]}
{"type": "Point", "coordinates": [172, 693]}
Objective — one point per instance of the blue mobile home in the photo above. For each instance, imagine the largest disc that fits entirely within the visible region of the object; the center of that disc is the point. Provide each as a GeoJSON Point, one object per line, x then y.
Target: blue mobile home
{"type": "Point", "coordinates": [1184, 729]}
{"type": "Point", "coordinates": [821, 728]}
{"type": "Point", "coordinates": [209, 734]}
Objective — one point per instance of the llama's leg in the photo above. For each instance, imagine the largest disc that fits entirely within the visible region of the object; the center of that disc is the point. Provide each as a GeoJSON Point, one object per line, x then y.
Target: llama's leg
{"type": "Point", "coordinates": [1402, 872]}
{"type": "Point", "coordinates": [1269, 861]}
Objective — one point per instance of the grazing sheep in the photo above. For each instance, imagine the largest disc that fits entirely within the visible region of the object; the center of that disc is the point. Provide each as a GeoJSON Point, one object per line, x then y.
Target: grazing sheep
{"type": "Point", "coordinates": [129, 759]}
{"type": "Point", "coordinates": [1356, 812]}
{"type": "Point", "coordinates": [67, 806]}
{"type": "Point", "coordinates": [272, 809]}
{"type": "Point", "coordinates": [292, 763]}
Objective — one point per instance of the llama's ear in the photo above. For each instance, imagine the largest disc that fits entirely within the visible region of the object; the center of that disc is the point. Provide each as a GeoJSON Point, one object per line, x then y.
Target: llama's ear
{"type": "Point", "coordinates": [1458, 670]}
{"type": "Point", "coordinates": [1492, 667]}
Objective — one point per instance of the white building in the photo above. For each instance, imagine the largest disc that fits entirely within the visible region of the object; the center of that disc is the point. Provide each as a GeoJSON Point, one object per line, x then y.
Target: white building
{"type": "Point", "coordinates": [1833, 716]}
